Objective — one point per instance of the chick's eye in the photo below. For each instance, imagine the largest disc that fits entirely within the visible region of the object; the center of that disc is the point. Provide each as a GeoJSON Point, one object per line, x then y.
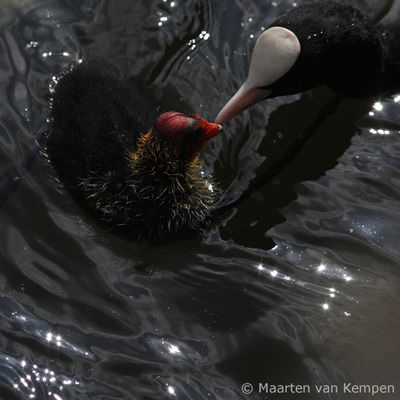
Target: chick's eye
{"type": "Point", "coordinates": [193, 126]}
{"type": "Point", "coordinates": [191, 133]}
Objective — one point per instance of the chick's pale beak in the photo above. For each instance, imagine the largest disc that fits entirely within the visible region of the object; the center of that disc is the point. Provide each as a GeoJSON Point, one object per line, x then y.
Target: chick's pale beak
{"type": "Point", "coordinates": [209, 129]}
{"type": "Point", "coordinates": [244, 98]}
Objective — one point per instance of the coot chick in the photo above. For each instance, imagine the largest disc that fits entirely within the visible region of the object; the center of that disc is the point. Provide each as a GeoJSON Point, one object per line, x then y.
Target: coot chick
{"type": "Point", "coordinates": [132, 169]}
{"type": "Point", "coordinates": [325, 42]}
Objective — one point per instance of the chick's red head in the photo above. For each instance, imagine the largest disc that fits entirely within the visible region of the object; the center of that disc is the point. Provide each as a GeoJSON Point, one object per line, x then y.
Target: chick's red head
{"type": "Point", "coordinates": [188, 128]}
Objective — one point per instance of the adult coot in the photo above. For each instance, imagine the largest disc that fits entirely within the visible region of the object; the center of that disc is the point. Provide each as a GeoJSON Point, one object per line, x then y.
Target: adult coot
{"type": "Point", "coordinates": [325, 42]}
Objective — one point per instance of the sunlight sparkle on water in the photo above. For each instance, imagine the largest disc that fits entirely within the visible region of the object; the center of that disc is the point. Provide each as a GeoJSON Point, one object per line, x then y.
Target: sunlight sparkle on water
{"type": "Point", "coordinates": [174, 349]}
{"type": "Point", "coordinates": [347, 278]}
{"type": "Point", "coordinates": [171, 390]}
{"type": "Point", "coordinates": [33, 379]}
{"type": "Point", "coordinates": [204, 35]}
{"type": "Point", "coordinates": [347, 314]}
{"type": "Point", "coordinates": [321, 268]}
{"type": "Point", "coordinates": [379, 131]}
{"type": "Point", "coordinates": [378, 106]}
{"type": "Point", "coordinates": [325, 306]}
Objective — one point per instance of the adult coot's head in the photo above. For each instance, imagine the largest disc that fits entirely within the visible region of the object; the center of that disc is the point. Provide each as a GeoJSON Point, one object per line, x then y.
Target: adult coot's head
{"type": "Point", "coordinates": [324, 42]}
{"type": "Point", "coordinates": [275, 53]}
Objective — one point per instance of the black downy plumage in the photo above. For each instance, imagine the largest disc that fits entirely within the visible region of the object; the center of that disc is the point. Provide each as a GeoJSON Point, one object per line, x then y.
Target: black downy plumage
{"type": "Point", "coordinates": [132, 169]}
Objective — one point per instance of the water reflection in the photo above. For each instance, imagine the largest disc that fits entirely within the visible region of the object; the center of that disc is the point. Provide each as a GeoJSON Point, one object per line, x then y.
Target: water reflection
{"type": "Point", "coordinates": [32, 381]}
{"type": "Point", "coordinates": [21, 320]}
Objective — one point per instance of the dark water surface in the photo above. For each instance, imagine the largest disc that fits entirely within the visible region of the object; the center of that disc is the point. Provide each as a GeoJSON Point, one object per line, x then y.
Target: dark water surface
{"type": "Point", "coordinates": [299, 283]}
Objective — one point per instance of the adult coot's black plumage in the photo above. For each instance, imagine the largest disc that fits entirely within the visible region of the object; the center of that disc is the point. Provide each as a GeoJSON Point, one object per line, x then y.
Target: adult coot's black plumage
{"type": "Point", "coordinates": [325, 42]}
{"type": "Point", "coordinates": [130, 168]}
